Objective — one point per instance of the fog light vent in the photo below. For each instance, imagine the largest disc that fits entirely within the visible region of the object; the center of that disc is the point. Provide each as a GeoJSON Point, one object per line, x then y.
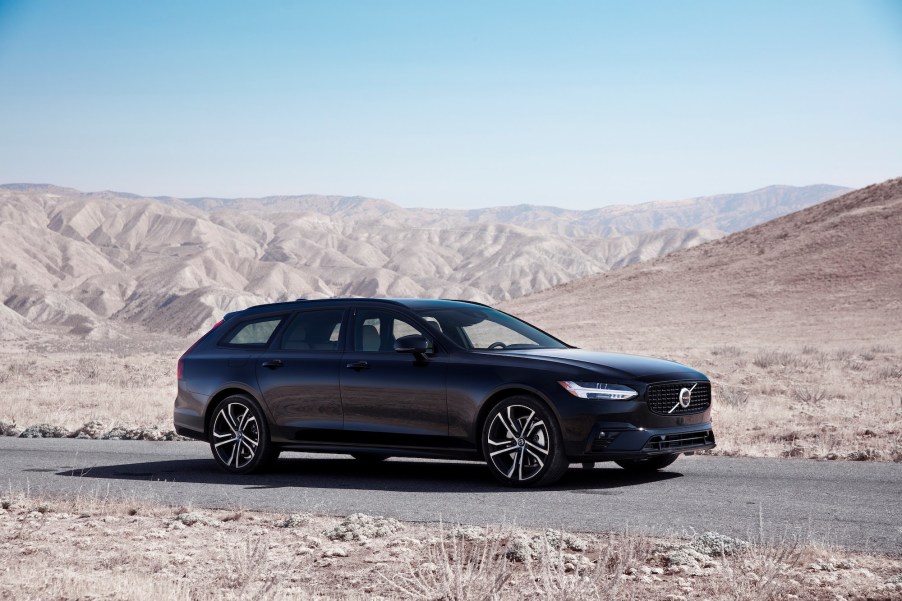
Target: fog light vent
{"type": "Point", "coordinates": [603, 440]}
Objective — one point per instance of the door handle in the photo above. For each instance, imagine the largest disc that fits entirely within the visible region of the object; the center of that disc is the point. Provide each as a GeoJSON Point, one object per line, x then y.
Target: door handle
{"type": "Point", "coordinates": [273, 364]}
{"type": "Point", "coordinates": [358, 365]}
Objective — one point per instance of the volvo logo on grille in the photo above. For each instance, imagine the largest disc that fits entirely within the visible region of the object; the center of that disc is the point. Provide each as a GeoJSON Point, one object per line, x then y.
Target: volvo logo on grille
{"type": "Point", "coordinates": [685, 398]}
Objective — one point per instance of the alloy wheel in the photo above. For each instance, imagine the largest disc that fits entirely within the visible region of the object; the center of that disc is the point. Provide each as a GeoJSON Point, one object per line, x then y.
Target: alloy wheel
{"type": "Point", "coordinates": [518, 442]}
{"type": "Point", "coordinates": [236, 436]}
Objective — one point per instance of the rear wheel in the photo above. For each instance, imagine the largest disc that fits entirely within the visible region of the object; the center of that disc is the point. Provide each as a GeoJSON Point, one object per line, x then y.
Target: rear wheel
{"type": "Point", "coordinates": [522, 443]}
{"type": "Point", "coordinates": [651, 464]}
{"type": "Point", "coordinates": [239, 436]}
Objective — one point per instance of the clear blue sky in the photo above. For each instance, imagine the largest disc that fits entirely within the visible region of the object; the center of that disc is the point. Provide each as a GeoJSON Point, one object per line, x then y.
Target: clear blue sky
{"type": "Point", "coordinates": [452, 104]}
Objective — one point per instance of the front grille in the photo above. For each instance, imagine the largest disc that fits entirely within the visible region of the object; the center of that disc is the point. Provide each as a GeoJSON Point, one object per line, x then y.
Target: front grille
{"type": "Point", "coordinates": [665, 398]}
{"type": "Point", "coordinates": [687, 440]}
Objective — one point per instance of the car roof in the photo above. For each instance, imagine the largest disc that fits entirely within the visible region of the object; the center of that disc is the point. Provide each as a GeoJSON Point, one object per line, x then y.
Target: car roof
{"type": "Point", "coordinates": [414, 304]}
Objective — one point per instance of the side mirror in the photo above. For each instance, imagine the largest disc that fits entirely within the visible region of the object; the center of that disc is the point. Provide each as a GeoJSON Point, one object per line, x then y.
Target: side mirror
{"type": "Point", "coordinates": [414, 344]}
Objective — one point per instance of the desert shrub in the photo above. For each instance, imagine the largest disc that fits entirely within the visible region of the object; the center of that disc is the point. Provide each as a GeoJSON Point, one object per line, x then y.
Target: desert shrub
{"type": "Point", "coordinates": [766, 359]}
{"type": "Point", "coordinates": [814, 353]}
{"type": "Point", "coordinates": [295, 520]}
{"type": "Point", "coordinates": [560, 575]}
{"type": "Point", "coordinates": [856, 365]}
{"type": "Point", "coordinates": [248, 574]}
{"type": "Point", "coordinates": [87, 369]}
{"type": "Point", "coordinates": [714, 544]}
{"type": "Point", "coordinates": [454, 569]}
{"type": "Point", "coordinates": [882, 349]}
{"type": "Point", "coordinates": [843, 354]}
{"type": "Point", "coordinates": [733, 396]}
{"type": "Point", "coordinates": [727, 350]}
{"type": "Point", "coordinates": [865, 454]}
{"type": "Point", "coordinates": [193, 518]}
{"type": "Point", "coordinates": [763, 571]}
{"type": "Point", "coordinates": [362, 527]}
{"type": "Point", "coordinates": [14, 371]}
{"type": "Point", "coordinates": [808, 395]}
{"type": "Point", "coordinates": [888, 372]}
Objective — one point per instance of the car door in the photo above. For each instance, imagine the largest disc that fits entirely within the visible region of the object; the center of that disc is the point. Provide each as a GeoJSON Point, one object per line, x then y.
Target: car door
{"type": "Point", "coordinates": [390, 397]}
{"type": "Point", "coordinates": [299, 377]}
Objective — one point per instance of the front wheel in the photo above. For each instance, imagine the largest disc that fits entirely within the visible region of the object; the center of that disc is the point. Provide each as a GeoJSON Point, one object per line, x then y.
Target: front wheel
{"type": "Point", "coordinates": [651, 464]}
{"type": "Point", "coordinates": [522, 443]}
{"type": "Point", "coordinates": [239, 436]}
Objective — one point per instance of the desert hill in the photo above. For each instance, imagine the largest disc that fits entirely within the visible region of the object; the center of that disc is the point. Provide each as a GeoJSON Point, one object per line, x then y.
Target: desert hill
{"type": "Point", "coordinates": [87, 263]}
{"type": "Point", "coordinates": [829, 273]}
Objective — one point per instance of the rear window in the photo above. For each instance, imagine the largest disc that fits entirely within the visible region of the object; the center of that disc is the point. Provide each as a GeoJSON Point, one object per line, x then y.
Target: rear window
{"type": "Point", "coordinates": [254, 333]}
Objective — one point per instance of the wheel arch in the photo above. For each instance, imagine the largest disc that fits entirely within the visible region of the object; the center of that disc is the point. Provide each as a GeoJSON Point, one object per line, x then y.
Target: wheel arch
{"type": "Point", "coordinates": [224, 393]}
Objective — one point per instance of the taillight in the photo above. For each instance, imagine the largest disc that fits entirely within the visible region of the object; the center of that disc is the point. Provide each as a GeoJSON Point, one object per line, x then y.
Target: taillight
{"type": "Point", "coordinates": [181, 364]}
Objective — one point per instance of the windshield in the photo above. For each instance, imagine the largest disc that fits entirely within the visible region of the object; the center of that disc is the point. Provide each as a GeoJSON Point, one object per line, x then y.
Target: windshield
{"type": "Point", "coordinates": [484, 328]}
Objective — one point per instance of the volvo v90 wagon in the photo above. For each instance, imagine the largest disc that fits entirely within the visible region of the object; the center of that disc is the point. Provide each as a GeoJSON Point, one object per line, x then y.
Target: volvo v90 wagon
{"type": "Point", "coordinates": [430, 378]}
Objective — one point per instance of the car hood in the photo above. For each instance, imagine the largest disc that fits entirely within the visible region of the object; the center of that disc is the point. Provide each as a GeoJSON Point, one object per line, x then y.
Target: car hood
{"type": "Point", "coordinates": [627, 366]}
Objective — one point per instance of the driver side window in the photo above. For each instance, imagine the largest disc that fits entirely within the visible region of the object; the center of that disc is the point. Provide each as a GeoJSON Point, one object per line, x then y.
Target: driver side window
{"type": "Point", "coordinates": [376, 330]}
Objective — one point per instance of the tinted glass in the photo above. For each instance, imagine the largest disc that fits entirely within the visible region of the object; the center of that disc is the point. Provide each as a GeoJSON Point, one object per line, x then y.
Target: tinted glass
{"type": "Point", "coordinates": [484, 328]}
{"type": "Point", "coordinates": [313, 331]}
{"type": "Point", "coordinates": [376, 330]}
{"type": "Point", "coordinates": [253, 333]}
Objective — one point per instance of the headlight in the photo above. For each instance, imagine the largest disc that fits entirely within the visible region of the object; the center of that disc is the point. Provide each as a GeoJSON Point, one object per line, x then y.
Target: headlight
{"type": "Point", "coordinates": [599, 390]}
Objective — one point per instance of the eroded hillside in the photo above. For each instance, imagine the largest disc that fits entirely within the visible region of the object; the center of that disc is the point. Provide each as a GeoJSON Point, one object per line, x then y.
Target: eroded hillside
{"type": "Point", "coordinates": [88, 263]}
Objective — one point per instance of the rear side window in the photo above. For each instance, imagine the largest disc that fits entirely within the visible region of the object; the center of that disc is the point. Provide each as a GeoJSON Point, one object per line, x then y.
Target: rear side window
{"type": "Point", "coordinates": [254, 334]}
{"type": "Point", "coordinates": [313, 331]}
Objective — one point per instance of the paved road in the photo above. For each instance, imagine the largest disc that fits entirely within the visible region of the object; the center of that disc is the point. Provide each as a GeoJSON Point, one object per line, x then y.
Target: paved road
{"type": "Point", "coordinates": [857, 505]}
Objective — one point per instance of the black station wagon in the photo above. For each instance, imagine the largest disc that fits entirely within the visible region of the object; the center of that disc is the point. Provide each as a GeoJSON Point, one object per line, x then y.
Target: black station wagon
{"type": "Point", "coordinates": [430, 378]}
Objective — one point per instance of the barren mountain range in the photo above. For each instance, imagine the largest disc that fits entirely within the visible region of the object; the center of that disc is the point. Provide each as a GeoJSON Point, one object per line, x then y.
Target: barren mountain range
{"type": "Point", "coordinates": [87, 263]}
{"type": "Point", "coordinates": [828, 274]}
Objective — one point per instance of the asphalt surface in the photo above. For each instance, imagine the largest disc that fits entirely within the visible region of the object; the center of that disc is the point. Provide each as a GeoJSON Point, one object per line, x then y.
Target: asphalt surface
{"type": "Point", "coordinates": [855, 505]}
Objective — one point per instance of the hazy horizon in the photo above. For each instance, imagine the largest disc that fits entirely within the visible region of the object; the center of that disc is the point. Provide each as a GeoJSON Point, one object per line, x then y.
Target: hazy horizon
{"type": "Point", "coordinates": [437, 207]}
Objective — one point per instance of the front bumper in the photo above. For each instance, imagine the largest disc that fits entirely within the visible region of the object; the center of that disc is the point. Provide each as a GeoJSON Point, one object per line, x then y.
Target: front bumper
{"type": "Point", "coordinates": [611, 441]}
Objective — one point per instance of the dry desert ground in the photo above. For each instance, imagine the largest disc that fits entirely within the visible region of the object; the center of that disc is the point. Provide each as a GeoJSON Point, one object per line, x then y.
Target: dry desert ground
{"type": "Point", "coordinates": [93, 548]}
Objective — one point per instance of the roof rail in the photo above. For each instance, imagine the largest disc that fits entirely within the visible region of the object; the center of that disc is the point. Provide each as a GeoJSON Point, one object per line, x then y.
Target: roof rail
{"type": "Point", "coordinates": [460, 300]}
{"type": "Point", "coordinates": [265, 306]}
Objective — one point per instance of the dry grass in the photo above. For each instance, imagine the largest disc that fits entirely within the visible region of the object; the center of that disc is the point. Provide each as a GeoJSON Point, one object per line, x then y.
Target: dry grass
{"type": "Point", "coordinates": [839, 404]}
{"type": "Point", "coordinates": [91, 548]}
{"type": "Point", "coordinates": [71, 389]}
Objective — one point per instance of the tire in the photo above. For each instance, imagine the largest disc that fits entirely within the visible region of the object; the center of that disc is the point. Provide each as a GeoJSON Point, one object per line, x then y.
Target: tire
{"type": "Point", "coordinates": [522, 443]}
{"type": "Point", "coordinates": [248, 452]}
{"type": "Point", "coordinates": [369, 457]}
{"type": "Point", "coordinates": [651, 464]}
